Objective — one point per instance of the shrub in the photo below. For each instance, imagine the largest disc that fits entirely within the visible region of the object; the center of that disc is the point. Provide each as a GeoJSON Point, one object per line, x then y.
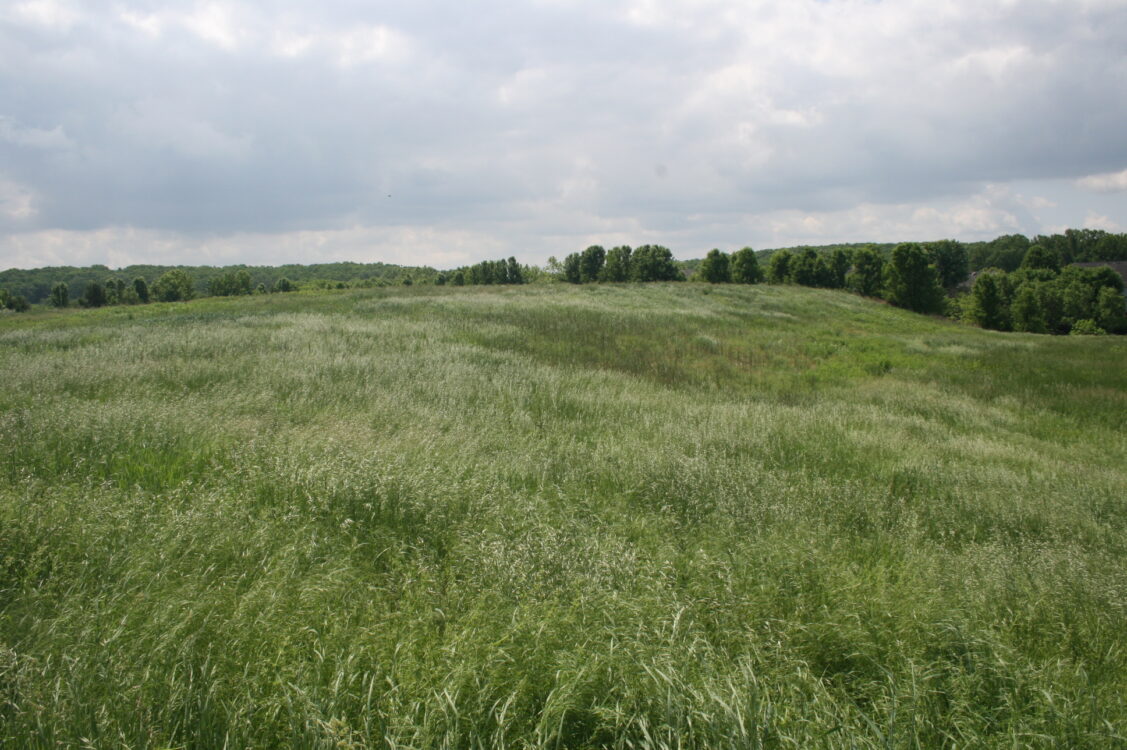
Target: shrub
{"type": "Point", "coordinates": [1087, 327]}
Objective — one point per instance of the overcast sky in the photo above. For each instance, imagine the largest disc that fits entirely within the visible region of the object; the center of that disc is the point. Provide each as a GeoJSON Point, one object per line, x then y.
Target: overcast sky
{"type": "Point", "coordinates": [441, 133]}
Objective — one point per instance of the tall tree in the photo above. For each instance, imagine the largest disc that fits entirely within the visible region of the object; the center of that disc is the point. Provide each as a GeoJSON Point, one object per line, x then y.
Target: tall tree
{"type": "Point", "coordinates": [805, 269]}
{"type": "Point", "coordinates": [94, 296]}
{"type": "Point", "coordinates": [867, 274]}
{"type": "Point", "coordinates": [778, 266]}
{"type": "Point", "coordinates": [617, 265]}
{"type": "Point", "coordinates": [950, 260]}
{"type": "Point", "coordinates": [714, 268]}
{"type": "Point", "coordinates": [745, 267]}
{"type": "Point", "coordinates": [654, 263]}
{"type": "Point", "coordinates": [173, 286]}
{"type": "Point", "coordinates": [591, 264]}
{"type": "Point", "coordinates": [1040, 257]}
{"type": "Point", "coordinates": [571, 269]}
{"type": "Point", "coordinates": [911, 282]}
{"type": "Point", "coordinates": [60, 295]}
{"type": "Point", "coordinates": [142, 289]}
{"type": "Point", "coordinates": [838, 263]}
{"type": "Point", "coordinates": [990, 304]}
{"type": "Point", "coordinates": [1111, 314]}
{"type": "Point", "coordinates": [515, 274]}
{"type": "Point", "coordinates": [1026, 312]}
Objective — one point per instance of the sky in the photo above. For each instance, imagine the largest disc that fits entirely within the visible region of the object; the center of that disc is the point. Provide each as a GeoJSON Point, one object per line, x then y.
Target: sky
{"type": "Point", "coordinates": [444, 133]}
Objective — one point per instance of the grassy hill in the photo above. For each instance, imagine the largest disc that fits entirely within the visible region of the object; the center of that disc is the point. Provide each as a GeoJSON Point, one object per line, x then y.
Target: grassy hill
{"type": "Point", "coordinates": [600, 516]}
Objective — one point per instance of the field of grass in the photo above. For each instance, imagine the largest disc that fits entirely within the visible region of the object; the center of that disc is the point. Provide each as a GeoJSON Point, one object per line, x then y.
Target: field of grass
{"type": "Point", "coordinates": [640, 516]}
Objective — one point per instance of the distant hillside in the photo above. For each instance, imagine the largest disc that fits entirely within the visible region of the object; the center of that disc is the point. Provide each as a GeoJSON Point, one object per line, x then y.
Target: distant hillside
{"type": "Point", "coordinates": [35, 284]}
{"type": "Point", "coordinates": [1005, 252]}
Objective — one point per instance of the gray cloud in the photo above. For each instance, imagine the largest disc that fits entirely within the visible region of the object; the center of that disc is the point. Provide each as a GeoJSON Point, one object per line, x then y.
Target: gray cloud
{"type": "Point", "coordinates": [534, 128]}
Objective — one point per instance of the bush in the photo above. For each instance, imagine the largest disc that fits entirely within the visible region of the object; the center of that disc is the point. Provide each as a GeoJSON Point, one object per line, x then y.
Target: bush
{"type": "Point", "coordinates": [173, 286]}
{"type": "Point", "coordinates": [1086, 327]}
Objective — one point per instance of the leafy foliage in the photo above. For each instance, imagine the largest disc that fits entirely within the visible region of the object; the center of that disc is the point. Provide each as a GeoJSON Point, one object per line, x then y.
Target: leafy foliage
{"type": "Point", "coordinates": [173, 286]}
{"type": "Point", "coordinates": [866, 277]}
{"type": "Point", "coordinates": [745, 267]}
{"type": "Point", "coordinates": [715, 268]}
{"type": "Point", "coordinates": [911, 281]}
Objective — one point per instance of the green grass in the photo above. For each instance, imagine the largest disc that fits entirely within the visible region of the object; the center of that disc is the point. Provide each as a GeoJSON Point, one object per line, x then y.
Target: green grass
{"type": "Point", "coordinates": [604, 516]}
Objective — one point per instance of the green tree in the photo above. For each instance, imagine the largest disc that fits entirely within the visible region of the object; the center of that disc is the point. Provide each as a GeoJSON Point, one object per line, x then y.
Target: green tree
{"type": "Point", "coordinates": [745, 267]}
{"type": "Point", "coordinates": [654, 263]}
{"type": "Point", "coordinates": [911, 282]}
{"type": "Point", "coordinates": [115, 289]}
{"type": "Point", "coordinates": [571, 269]}
{"type": "Point", "coordinates": [1042, 258]}
{"type": "Point", "coordinates": [141, 288]}
{"type": "Point", "coordinates": [515, 273]}
{"type": "Point", "coordinates": [242, 282]}
{"type": "Point", "coordinates": [778, 267]}
{"type": "Point", "coordinates": [591, 264]}
{"type": "Point", "coordinates": [806, 268]}
{"type": "Point", "coordinates": [715, 268]}
{"type": "Point", "coordinates": [94, 296]}
{"type": "Point", "coordinates": [1111, 313]}
{"type": "Point", "coordinates": [173, 286]}
{"type": "Point", "coordinates": [60, 295]}
{"type": "Point", "coordinates": [838, 265]}
{"type": "Point", "coordinates": [617, 266]}
{"type": "Point", "coordinates": [1004, 252]}
{"type": "Point", "coordinates": [950, 260]}
{"type": "Point", "coordinates": [990, 306]}
{"type": "Point", "coordinates": [14, 302]}
{"type": "Point", "coordinates": [867, 274]}
{"type": "Point", "coordinates": [1026, 312]}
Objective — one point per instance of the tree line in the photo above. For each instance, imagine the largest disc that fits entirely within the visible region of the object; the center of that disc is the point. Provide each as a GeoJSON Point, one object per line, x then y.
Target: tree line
{"type": "Point", "coordinates": [176, 285]}
{"type": "Point", "coordinates": [914, 276]}
{"type": "Point", "coordinates": [1072, 246]}
{"type": "Point", "coordinates": [488, 272]}
{"type": "Point", "coordinates": [1044, 296]}
{"type": "Point", "coordinates": [1031, 285]}
{"type": "Point", "coordinates": [35, 285]}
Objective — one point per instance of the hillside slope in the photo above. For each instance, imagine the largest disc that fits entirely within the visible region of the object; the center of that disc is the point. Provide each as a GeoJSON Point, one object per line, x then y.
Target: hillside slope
{"type": "Point", "coordinates": [613, 516]}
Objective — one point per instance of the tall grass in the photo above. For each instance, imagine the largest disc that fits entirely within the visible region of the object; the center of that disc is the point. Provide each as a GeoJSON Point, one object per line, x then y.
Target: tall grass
{"type": "Point", "coordinates": [636, 516]}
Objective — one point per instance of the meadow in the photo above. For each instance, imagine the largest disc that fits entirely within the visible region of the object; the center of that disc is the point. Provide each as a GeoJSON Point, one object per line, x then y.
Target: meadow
{"type": "Point", "coordinates": [624, 516]}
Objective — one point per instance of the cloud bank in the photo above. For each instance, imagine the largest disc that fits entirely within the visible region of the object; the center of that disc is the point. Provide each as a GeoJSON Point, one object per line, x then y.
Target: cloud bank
{"type": "Point", "coordinates": [443, 133]}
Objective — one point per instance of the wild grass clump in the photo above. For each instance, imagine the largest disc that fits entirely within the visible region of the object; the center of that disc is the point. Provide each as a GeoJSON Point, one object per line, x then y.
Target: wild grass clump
{"type": "Point", "coordinates": [614, 516]}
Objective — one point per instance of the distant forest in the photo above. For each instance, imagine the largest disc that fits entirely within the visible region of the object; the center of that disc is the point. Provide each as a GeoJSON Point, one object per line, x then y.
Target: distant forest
{"type": "Point", "coordinates": [35, 285]}
{"type": "Point", "coordinates": [1009, 283]}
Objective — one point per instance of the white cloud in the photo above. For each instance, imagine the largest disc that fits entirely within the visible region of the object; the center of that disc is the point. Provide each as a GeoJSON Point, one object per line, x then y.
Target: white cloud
{"type": "Point", "coordinates": [37, 138]}
{"type": "Point", "coordinates": [531, 129]}
{"type": "Point", "coordinates": [50, 14]}
{"type": "Point", "coordinates": [1096, 221]}
{"type": "Point", "coordinates": [17, 202]}
{"type": "Point", "coordinates": [215, 23]}
{"type": "Point", "coordinates": [1111, 182]}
